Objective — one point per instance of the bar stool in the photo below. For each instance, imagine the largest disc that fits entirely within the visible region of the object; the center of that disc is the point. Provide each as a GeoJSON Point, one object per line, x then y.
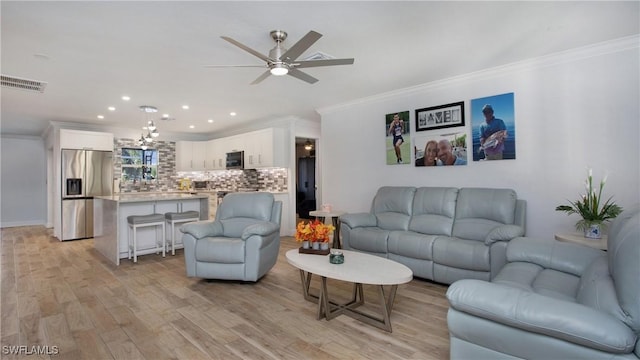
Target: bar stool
{"type": "Point", "coordinates": [174, 218]}
{"type": "Point", "coordinates": [139, 221]}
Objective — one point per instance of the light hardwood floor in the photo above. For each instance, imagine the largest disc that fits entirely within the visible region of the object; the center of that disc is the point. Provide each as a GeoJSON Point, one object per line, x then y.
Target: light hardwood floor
{"type": "Point", "coordinates": [65, 294]}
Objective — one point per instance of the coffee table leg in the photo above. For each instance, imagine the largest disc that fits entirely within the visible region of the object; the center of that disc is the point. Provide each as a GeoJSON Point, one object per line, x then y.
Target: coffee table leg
{"type": "Point", "coordinates": [305, 280]}
{"type": "Point", "coordinates": [323, 302]}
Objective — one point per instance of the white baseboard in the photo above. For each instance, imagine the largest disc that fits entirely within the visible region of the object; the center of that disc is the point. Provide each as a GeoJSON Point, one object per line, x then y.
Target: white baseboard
{"type": "Point", "coordinates": [8, 224]}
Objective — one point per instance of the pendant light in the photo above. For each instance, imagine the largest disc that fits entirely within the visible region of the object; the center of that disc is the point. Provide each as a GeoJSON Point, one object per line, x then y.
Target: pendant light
{"type": "Point", "coordinates": [152, 130]}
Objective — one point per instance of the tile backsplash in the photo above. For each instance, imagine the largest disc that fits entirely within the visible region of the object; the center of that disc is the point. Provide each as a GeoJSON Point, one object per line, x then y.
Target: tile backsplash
{"type": "Point", "coordinates": [167, 179]}
{"type": "Point", "coordinates": [271, 179]}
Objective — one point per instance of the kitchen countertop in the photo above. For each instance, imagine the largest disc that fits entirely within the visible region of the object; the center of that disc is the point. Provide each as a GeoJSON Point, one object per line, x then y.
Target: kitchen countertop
{"type": "Point", "coordinates": [143, 197]}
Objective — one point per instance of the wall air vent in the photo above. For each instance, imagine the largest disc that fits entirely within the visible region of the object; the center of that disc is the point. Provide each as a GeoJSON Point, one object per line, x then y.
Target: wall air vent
{"type": "Point", "coordinates": [23, 84]}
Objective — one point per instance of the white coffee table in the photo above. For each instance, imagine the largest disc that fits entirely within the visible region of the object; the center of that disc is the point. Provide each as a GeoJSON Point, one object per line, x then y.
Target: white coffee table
{"type": "Point", "coordinates": [359, 269]}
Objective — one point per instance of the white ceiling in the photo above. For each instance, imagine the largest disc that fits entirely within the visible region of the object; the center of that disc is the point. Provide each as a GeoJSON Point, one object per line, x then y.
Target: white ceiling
{"type": "Point", "coordinates": [92, 53]}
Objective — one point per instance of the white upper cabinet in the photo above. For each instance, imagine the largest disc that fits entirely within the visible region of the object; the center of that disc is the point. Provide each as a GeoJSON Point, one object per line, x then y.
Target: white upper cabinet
{"type": "Point", "coordinates": [89, 140]}
{"type": "Point", "coordinates": [262, 148]}
{"type": "Point", "coordinates": [191, 155]}
{"type": "Point", "coordinates": [216, 154]}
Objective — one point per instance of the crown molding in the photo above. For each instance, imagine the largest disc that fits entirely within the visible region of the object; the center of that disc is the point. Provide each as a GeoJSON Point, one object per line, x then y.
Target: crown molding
{"type": "Point", "coordinates": [567, 56]}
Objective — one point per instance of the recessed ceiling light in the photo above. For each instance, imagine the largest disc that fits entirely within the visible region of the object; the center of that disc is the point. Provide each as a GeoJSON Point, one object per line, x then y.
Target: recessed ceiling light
{"type": "Point", "coordinates": [111, 108]}
{"type": "Point", "coordinates": [100, 116]}
{"type": "Point", "coordinates": [186, 107]}
{"type": "Point", "coordinates": [232, 113]}
{"type": "Point", "coordinates": [210, 121]}
{"type": "Point", "coordinates": [126, 98]}
{"type": "Point", "coordinates": [165, 116]}
{"type": "Point", "coordinates": [192, 126]}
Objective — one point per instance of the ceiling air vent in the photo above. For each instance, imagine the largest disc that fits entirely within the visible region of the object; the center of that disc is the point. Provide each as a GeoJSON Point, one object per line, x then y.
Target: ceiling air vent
{"type": "Point", "coordinates": [23, 84]}
{"type": "Point", "coordinates": [319, 55]}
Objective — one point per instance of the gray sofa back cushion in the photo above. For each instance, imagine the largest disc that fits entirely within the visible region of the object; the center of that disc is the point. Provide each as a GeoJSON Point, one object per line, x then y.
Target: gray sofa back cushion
{"type": "Point", "coordinates": [479, 210]}
{"type": "Point", "coordinates": [434, 209]}
{"type": "Point", "coordinates": [624, 264]}
{"type": "Point", "coordinates": [239, 210]}
{"type": "Point", "coordinates": [392, 207]}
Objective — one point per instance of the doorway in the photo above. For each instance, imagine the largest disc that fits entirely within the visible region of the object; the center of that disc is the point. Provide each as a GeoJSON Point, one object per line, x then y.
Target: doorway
{"type": "Point", "coordinates": [305, 177]}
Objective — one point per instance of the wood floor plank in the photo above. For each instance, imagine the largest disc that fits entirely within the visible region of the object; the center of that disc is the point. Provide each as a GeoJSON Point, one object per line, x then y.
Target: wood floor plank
{"type": "Point", "coordinates": [91, 345]}
{"type": "Point", "coordinates": [58, 333]}
{"type": "Point", "coordinates": [66, 294]}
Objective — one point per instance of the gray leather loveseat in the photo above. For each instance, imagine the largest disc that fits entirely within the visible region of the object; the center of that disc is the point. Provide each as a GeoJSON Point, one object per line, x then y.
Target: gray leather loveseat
{"type": "Point", "coordinates": [441, 233]}
{"type": "Point", "coordinates": [554, 300]}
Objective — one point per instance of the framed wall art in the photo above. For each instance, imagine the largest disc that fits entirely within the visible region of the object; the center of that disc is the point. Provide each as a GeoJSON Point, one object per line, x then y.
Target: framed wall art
{"type": "Point", "coordinates": [397, 139]}
{"type": "Point", "coordinates": [439, 117]}
{"type": "Point", "coordinates": [441, 149]}
{"type": "Point", "coordinates": [493, 128]}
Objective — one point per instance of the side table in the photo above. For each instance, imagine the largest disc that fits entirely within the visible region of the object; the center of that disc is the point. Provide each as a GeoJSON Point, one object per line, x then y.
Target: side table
{"type": "Point", "coordinates": [578, 238]}
{"type": "Point", "coordinates": [334, 215]}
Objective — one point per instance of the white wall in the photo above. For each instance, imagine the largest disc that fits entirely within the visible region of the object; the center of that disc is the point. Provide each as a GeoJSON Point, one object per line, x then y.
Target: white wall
{"type": "Point", "coordinates": [573, 110]}
{"type": "Point", "coordinates": [23, 181]}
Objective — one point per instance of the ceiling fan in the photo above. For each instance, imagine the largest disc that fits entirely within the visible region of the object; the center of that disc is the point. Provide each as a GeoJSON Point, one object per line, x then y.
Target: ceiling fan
{"type": "Point", "coordinates": [282, 61]}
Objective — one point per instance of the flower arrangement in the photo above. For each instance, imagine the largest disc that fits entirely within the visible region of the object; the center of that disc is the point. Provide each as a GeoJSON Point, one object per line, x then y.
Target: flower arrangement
{"type": "Point", "coordinates": [589, 206]}
{"type": "Point", "coordinates": [313, 231]}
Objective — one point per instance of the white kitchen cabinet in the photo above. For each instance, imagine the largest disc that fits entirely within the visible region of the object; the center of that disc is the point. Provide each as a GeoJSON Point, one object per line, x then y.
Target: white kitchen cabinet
{"type": "Point", "coordinates": [216, 154]}
{"type": "Point", "coordinates": [85, 140]}
{"type": "Point", "coordinates": [191, 155]}
{"type": "Point", "coordinates": [265, 148]}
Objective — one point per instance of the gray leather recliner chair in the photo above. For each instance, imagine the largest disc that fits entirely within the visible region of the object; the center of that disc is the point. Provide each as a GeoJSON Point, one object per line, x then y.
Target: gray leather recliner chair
{"type": "Point", "coordinates": [242, 243]}
{"type": "Point", "coordinates": [554, 300]}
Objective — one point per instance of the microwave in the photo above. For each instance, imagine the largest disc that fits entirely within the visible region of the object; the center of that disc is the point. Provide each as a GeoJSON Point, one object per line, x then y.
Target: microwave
{"type": "Point", "coordinates": [235, 160]}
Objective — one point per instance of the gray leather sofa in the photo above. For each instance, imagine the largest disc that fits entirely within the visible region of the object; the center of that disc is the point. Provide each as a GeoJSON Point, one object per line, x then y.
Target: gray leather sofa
{"type": "Point", "coordinates": [242, 242]}
{"type": "Point", "coordinates": [441, 233]}
{"type": "Point", "coordinates": [554, 300]}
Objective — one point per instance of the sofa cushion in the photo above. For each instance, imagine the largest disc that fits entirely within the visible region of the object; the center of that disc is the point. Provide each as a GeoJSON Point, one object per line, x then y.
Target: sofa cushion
{"type": "Point", "coordinates": [246, 205]}
{"type": "Point", "coordinates": [461, 253]}
{"type": "Point", "coordinates": [479, 210]}
{"type": "Point", "coordinates": [392, 207]}
{"type": "Point", "coordinates": [220, 250]}
{"type": "Point", "coordinates": [433, 210]}
{"type": "Point", "coordinates": [411, 244]}
{"type": "Point", "coordinates": [534, 278]}
{"type": "Point", "coordinates": [369, 239]}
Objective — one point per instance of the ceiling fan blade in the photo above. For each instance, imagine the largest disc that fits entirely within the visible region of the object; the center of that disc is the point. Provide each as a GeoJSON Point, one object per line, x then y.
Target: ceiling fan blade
{"type": "Point", "coordinates": [247, 49]}
{"type": "Point", "coordinates": [301, 46]}
{"type": "Point", "coordinates": [302, 76]}
{"type": "Point", "coordinates": [225, 66]}
{"type": "Point", "coordinates": [326, 62]}
{"type": "Point", "coordinates": [261, 77]}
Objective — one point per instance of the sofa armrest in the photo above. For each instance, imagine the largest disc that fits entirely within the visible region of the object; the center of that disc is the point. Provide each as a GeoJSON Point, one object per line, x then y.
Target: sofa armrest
{"type": "Point", "coordinates": [261, 229]}
{"type": "Point", "coordinates": [359, 220]}
{"type": "Point", "coordinates": [504, 233]}
{"type": "Point", "coordinates": [568, 321]}
{"type": "Point", "coordinates": [202, 229]}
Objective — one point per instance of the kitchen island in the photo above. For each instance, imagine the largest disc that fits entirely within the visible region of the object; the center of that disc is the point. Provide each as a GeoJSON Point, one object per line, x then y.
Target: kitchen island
{"type": "Point", "coordinates": [110, 219]}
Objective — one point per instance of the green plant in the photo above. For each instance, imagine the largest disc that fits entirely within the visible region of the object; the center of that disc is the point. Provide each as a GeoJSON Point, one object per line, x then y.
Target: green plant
{"type": "Point", "coordinates": [588, 207]}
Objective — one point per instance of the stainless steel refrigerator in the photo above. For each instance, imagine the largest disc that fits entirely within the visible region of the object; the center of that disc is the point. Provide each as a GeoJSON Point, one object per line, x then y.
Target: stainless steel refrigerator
{"type": "Point", "coordinates": [85, 174]}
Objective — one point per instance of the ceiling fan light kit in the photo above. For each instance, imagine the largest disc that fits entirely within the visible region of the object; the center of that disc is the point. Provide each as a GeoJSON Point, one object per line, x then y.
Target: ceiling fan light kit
{"type": "Point", "coordinates": [282, 61]}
